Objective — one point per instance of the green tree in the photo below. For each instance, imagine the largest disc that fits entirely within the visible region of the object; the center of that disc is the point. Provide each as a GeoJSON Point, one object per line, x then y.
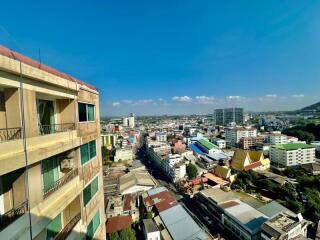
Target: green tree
{"type": "Point", "coordinates": [192, 171]}
{"type": "Point", "coordinates": [127, 234]}
{"type": "Point", "coordinates": [113, 236]}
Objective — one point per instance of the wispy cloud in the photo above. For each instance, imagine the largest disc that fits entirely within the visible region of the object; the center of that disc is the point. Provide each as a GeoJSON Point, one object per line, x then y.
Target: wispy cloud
{"type": "Point", "coordinates": [236, 98]}
{"type": "Point", "coordinates": [127, 101]}
{"type": "Point", "coordinates": [182, 99]}
{"type": "Point", "coordinates": [297, 96]}
{"type": "Point", "coordinates": [205, 100]}
{"type": "Point", "coordinates": [116, 104]}
{"type": "Point", "coordinates": [142, 102]}
{"type": "Point", "coordinates": [271, 96]}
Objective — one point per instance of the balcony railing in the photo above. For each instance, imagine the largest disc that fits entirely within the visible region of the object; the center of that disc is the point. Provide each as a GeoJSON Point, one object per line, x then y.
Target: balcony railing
{"type": "Point", "coordinates": [7, 134]}
{"type": "Point", "coordinates": [12, 215]}
{"type": "Point", "coordinates": [68, 228]}
{"type": "Point", "coordinates": [56, 128]}
{"type": "Point", "coordinates": [62, 181]}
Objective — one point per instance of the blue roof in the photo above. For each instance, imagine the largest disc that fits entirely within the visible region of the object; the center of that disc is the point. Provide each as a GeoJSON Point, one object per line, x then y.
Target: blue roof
{"type": "Point", "coordinates": [180, 224]}
{"type": "Point", "coordinates": [196, 149]}
{"type": "Point", "coordinates": [156, 190]}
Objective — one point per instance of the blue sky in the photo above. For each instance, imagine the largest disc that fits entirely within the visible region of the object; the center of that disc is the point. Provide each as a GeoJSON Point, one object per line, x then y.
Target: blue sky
{"type": "Point", "coordinates": [175, 57]}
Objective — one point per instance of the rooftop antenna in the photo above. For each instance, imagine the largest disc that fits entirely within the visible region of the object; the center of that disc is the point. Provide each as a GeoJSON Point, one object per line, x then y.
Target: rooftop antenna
{"type": "Point", "coordinates": [39, 52]}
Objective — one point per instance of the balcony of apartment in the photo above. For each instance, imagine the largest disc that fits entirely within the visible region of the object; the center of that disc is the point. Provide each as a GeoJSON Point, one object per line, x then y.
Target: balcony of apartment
{"type": "Point", "coordinates": [57, 171]}
{"type": "Point", "coordinates": [13, 203]}
{"type": "Point", "coordinates": [64, 224]}
{"type": "Point", "coordinates": [10, 128]}
{"type": "Point", "coordinates": [60, 184]}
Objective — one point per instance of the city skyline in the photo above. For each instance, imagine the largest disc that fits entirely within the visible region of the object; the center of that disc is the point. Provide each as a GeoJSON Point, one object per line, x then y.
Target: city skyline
{"type": "Point", "coordinates": [177, 57]}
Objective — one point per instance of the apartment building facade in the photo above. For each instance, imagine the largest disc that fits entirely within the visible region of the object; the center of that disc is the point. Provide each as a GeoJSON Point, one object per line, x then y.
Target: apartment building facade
{"type": "Point", "coordinates": [291, 154]}
{"type": "Point", "coordinates": [233, 135]}
{"type": "Point", "coordinates": [51, 184]}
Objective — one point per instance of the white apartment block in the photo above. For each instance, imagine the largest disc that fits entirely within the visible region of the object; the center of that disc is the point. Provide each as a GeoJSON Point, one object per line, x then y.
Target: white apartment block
{"type": "Point", "coordinates": [221, 143]}
{"type": "Point", "coordinates": [174, 167]}
{"type": "Point", "coordinates": [277, 138]}
{"type": "Point", "coordinates": [233, 135]}
{"type": "Point", "coordinates": [161, 137]}
{"type": "Point", "coordinates": [291, 154]}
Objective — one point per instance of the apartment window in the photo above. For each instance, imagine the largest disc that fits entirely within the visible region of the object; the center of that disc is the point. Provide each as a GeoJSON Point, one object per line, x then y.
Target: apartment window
{"type": "Point", "coordinates": [54, 227]}
{"type": "Point", "coordinates": [86, 112]}
{"type": "Point", "coordinates": [88, 151]}
{"type": "Point", "coordinates": [93, 226]}
{"type": "Point", "coordinates": [50, 172]}
{"type": "Point", "coordinates": [90, 191]}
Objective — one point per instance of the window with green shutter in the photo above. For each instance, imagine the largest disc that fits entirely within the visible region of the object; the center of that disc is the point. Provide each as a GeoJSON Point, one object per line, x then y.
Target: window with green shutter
{"type": "Point", "coordinates": [90, 191]}
{"type": "Point", "coordinates": [50, 172]}
{"type": "Point", "coordinates": [54, 227]}
{"type": "Point", "coordinates": [90, 109]}
{"type": "Point", "coordinates": [92, 148]}
{"type": "Point", "coordinates": [93, 226]}
{"type": "Point", "coordinates": [88, 151]}
{"type": "Point", "coordinates": [84, 151]}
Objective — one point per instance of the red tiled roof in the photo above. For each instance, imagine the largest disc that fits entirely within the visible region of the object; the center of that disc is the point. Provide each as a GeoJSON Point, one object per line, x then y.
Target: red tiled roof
{"type": "Point", "coordinates": [118, 223]}
{"type": "Point", "coordinates": [253, 165]}
{"type": "Point", "coordinates": [163, 201]}
{"type": "Point", "coordinates": [127, 202]}
{"type": "Point", "coordinates": [26, 60]}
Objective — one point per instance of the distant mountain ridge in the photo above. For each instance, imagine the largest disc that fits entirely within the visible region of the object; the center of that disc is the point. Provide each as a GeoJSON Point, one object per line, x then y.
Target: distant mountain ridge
{"type": "Point", "coordinates": [312, 108]}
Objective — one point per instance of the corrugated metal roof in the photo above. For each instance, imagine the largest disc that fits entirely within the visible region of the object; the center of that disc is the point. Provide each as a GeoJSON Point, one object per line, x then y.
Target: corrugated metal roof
{"type": "Point", "coordinates": [180, 224]}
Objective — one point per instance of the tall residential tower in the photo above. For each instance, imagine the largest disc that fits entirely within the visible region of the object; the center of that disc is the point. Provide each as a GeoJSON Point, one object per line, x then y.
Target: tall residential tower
{"type": "Point", "coordinates": [51, 184]}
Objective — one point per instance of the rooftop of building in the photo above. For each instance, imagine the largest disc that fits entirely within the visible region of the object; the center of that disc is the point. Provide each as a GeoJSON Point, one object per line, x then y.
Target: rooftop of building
{"type": "Point", "coordinates": [150, 226]}
{"type": "Point", "coordinates": [242, 158]}
{"type": "Point", "coordinates": [180, 224]}
{"type": "Point", "coordinates": [245, 214]}
{"type": "Point", "coordinates": [273, 208]}
{"type": "Point", "coordinates": [134, 178]}
{"type": "Point", "coordinates": [206, 144]}
{"type": "Point", "coordinates": [28, 61]}
{"type": "Point", "coordinates": [118, 223]}
{"type": "Point", "coordinates": [292, 146]}
{"type": "Point", "coordinates": [280, 224]}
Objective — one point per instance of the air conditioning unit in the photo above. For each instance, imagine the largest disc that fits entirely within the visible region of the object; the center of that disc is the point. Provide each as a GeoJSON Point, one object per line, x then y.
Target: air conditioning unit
{"type": "Point", "coordinates": [67, 164]}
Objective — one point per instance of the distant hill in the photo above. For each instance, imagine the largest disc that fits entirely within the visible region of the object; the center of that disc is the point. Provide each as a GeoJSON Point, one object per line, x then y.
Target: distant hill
{"type": "Point", "coordinates": [312, 108]}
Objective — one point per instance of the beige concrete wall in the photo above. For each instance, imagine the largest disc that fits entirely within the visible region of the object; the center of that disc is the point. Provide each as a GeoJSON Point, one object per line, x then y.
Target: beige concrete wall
{"type": "Point", "coordinates": [19, 191]}
{"type": "Point", "coordinates": [71, 210]}
{"type": "Point", "coordinates": [66, 110]}
{"type": "Point", "coordinates": [30, 113]}
{"type": "Point", "coordinates": [35, 185]}
{"type": "Point", "coordinates": [3, 118]}
{"type": "Point", "coordinates": [13, 107]}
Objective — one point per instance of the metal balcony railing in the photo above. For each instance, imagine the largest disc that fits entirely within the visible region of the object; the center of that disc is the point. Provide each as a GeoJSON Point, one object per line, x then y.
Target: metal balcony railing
{"type": "Point", "coordinates": [12, 215]}
{"type": "Point", "coordinates": [68, 228]}
{"type": "Point", "coordinates": [7, 134]}
{"type": "Point", "coordinates": [59, 183]}
{"type": "Point", "coordinates": [56, 128]}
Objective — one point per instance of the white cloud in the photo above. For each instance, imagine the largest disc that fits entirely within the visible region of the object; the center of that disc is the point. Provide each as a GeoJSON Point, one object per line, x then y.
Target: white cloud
{"type": "Point", "coordinates": [142, 102]}
{"type": "Point", "coordinates": [271, 96]}
{"type": "Point", "coordinates": [205, 100]}
{"type": "Point", "coordinates": [127, 101]}
{"type": "Point", "coordinates": [115, 104]}
{"type": "Point", "coordinates": [183, 99]}
{"type": "Point", "coordinates": [234, 98]}
{"type": "Point", "coordinates": [297, 96]}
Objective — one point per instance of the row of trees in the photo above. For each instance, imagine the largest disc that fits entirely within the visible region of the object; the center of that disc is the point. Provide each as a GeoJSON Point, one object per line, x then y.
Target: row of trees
{"type": "Point", "coordinates": [290, 195]}
{"type": "Point", "coordinates": [308, 132]}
